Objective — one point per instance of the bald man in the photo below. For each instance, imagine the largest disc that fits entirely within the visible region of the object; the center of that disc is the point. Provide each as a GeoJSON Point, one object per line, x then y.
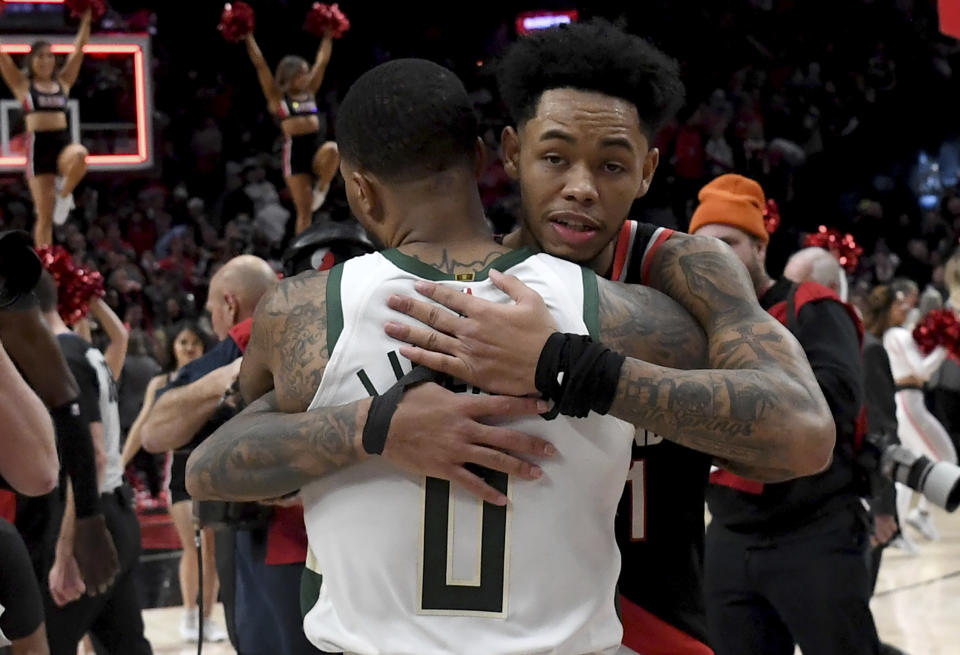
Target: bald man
{"type": "Point", "coordinates": [188, 410]}
{"type": "Point", "coordinates": [184, 407]}
{"type": "Point", "coordinates": [817, 265]}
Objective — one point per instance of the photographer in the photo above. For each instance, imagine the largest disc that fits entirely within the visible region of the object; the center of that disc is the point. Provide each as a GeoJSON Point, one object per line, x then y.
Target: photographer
{"type": "Point", "coordinates": [818, 265]}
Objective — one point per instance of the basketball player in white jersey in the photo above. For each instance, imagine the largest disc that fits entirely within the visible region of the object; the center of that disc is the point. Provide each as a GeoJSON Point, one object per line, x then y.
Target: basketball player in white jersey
{"type": "Point", "coordinates": [409, 566]}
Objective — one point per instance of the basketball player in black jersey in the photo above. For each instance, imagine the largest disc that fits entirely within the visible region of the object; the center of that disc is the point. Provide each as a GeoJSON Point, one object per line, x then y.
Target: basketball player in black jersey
{"type": "Point", "coordinates": [291, 98]}
{"type": "Point", "coordinates": [586, 100]}
{"type": "Point", "coordinates": [55, 166]}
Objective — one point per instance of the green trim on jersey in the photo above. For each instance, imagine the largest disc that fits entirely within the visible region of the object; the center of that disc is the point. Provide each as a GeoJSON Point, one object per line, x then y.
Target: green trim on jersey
{"type": "Point", "coordinates": [310, 584]}
{"type": "Point", "coordinates": [334, 308]}
{"type": "Point", "coordinates": [427, 272]}
{"type": "Point", "coordinates": [591, 303]}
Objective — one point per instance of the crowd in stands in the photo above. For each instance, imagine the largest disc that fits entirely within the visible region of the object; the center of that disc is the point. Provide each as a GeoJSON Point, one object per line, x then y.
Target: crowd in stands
{"type": "Point", "coordinates": [828, 115]}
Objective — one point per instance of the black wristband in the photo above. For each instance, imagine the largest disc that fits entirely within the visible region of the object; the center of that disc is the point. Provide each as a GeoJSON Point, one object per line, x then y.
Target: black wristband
{"type": "Point", "coordinates": [577, 374]}
{"type": "Point", "coordinates": [76, 450]}
{"type": "Point", "coordinates": [383, 407]}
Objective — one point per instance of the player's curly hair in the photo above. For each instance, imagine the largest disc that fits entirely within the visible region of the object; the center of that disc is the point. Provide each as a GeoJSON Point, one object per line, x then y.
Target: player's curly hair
{"type": "Point", "coordinates": [591, 56]}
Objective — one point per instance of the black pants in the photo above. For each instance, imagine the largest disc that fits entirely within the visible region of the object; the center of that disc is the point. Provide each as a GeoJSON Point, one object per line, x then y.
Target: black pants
{"type": "Point", "coordinates": [811, 587]}
{"type": "Point", "coordinates": [19, 592]}
{"type": "Point", "coordinates": [113, 618]}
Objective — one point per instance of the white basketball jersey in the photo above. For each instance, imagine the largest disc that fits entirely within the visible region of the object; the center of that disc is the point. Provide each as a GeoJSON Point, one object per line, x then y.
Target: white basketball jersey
{"type": "Point", "coordinates": [411, 566]}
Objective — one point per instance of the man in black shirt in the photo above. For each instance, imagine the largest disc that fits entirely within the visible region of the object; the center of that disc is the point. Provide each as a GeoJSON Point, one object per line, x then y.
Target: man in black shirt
{"type": "Point", "coordinates": [785, 562]}
{"type": "Point", "coordinates": [112, 617]}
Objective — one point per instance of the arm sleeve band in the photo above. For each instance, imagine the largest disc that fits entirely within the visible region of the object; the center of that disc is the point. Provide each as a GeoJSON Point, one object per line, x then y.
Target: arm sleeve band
{"type": "Point", "coordinates": [76, 453]}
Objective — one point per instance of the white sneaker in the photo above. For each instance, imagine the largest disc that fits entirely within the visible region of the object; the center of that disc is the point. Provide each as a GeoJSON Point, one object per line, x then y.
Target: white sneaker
{"type": "Point", "coordinates": [62, 209]}
{"type": "Point", "coordinates": [189, 625]}
{"type": "Point", "coordinates": [318, 198]}
{"type": "Point", "coordinates": [921, 521]}
{"type": "Point", "coordinates": [904, 543]}
{"type": "Point", "coordinates": [213, 631]}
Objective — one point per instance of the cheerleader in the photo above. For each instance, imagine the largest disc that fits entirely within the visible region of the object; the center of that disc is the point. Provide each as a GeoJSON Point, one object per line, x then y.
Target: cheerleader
{"type": "Point", "coordinates": [918, 429]}
{"type": "Point", "coordinates": [54, 165]}
{"type": "Point", "coordinates": [309, 164]}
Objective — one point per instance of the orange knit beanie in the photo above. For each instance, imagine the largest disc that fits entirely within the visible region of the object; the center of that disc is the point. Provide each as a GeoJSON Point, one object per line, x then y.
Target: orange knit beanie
{"type": "Point", "coordinates": [732, 200]}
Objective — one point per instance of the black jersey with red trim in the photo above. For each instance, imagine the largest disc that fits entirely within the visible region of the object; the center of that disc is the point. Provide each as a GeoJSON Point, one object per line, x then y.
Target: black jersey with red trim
{"type": "Point", "coordinates": [37, 100]}
{"type": "Point", "coordinates": [660, 528]}
{"type": "Point", "coordinates": [291, 107]}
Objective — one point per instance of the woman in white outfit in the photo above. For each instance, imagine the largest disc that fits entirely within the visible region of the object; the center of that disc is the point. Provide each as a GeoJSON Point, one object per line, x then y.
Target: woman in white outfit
{"type": "Point", "coordinates": [919, 430]}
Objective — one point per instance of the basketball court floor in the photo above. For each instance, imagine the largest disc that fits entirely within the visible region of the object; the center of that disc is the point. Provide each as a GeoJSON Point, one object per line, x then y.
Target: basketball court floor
{"type": "Point", "coordinates": [916, 607]}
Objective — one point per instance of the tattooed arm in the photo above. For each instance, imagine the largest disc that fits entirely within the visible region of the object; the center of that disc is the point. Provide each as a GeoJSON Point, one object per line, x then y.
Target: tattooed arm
{"type": "Point", "coordinates": [288, 343]}
{"type": "Point", "coordinates": [268, 450]}
{"type": "Point", "coordinates": [764, 411]}
{"type": "Point", "coordinates": [265, 453]}
{"type": "Point", "coordinates": [275, 446]}
{"type": "Point", "coordinates": [758, 406]}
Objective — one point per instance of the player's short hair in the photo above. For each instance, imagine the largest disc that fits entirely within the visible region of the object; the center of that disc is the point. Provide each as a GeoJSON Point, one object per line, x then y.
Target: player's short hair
{"type": "Point", "coordinates": [407, 119]}
{"type": "Point", "coordinates": [46, 293]}
{"type": "Point", "coordinates": [592, 56]}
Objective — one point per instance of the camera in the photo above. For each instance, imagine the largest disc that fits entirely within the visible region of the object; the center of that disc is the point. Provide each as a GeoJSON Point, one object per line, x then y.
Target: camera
{"type": "Point", "coordinates": [939, 482]}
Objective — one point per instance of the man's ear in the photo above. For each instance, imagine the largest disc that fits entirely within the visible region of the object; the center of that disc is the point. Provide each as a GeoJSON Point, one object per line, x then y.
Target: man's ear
{"type": "Point", "coordinates": [650, 163]}
{"type": "Point", "coordinates": [369, 197]}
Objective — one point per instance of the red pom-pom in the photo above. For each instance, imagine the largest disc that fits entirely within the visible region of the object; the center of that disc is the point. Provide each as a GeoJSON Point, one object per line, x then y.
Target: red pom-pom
{"type": "Point", "coordinates": [75, 285]}
{"type": "Point", "coordinates": [938, 328]}
{"type": "Point", "coordinates": [326, 19]}
{"type": "Point", "coordinates": [97, 8]}
{"type": "Point", "coordinates": [771, 216]}
{"type": "Point", "coordinates": [841, 246]}
{"type": "Point", "coordinates": [236, 22]}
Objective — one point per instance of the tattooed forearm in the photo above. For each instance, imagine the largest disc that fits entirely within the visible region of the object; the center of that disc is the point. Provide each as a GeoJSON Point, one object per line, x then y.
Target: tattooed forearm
{"type": "Point", "coordinates": [717, 412]}
{"type": "Point", "coordinates": [760, 404]}
{"type": "Point", "coordinates": [262, 453]}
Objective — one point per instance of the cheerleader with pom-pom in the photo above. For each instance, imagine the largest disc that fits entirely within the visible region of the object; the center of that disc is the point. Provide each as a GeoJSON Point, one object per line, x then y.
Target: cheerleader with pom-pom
{"type": "Point", "coordinates": [309, 163]}
{"type": "Point", "coordinates": [918, 429]}
{"type": "Point", "coordinates": [54, 165]}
